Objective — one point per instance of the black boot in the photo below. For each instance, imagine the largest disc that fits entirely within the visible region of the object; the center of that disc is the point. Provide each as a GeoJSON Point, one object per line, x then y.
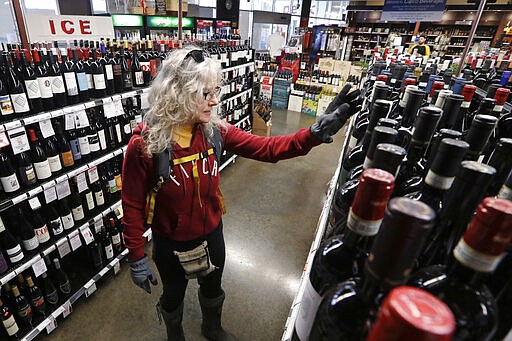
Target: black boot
{"type": "Point", "coordinates": [211, 327]}
{"type": "Point", "coordinates": [172, 321]}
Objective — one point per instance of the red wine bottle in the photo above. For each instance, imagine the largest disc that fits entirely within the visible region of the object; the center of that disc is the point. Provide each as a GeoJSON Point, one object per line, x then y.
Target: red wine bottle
{"type": "Point", "coordinates": [8, 321]}
{"type": "Point", "coordinates": [138, 75]}
{"type": "Point", "coordinates": [63, 146]}
{"type": "Point", "coordinates": [342, 257]}
{"type": "Point", "coordinates": [35, 296]}
{"type": "Point", "coordinates": [31, 84]}
{"type": "Point", "coordinates": [346, 307]}
{"type": "Point", "coordinates": [53, 220]}
{"type": "Point", "coordinates": [460, 284]}
{"type": "Point", "coordinates": [29, 240]}
{"type": "Point", "coordinates": [58, 86]}
{"type": "Point", "coordinates": [39, 158]}
{"type": "Point", "coordinates": [66, 216]}
{"type": "Point", "coordinates": [478, 135]}
{"type": "Point", "coordinates": [77, 208]}
{"type": "Point", "coordinates": [26, 172]}
{"type": "Point", "coordinates": [117, 71]}
{"type": "Point", "coordinates": [10, 245]}
{"type": "Point", "coordinates": [107, 66]}
{"type": "Point", "coordinates": [75, 145]}
{"type": "Point", "coordinates": [70, 78]}
{"type": "Point", "coordinates": [126, 71]}
{"type": "Point", "coordinates": [115, 234]}
{"type": "Point", "coordinates": [19, 98]}
{"type": "Point", "coordinates": [98, 75]}
{"type": "Point", "coordinates": [93, 139]}
{"type": "Point", "coordinates": [63, 285]}
{"type": "Point", "coordinates": [53, 155]}
{"type": "Point", "coordinates": [6, 106]}
{"type": "Point", "coordinates": [500, 159]}
{"type": "Point", "coordinates": [96, 254]}
{"type": "Point", "coordinates": [51, 295]}
{"type": "Point", "coordinates": [410, 313]}
{"type": "Point", "coordinates": [83, 140]}
{"type": "Point", "coordinates": [81, 77]}
{"type": "Point", "coordinates": [8, 178]}
{"type": "Point", "coordinates": [44, 81]}
{"type": "Point", "coordinates": [40, 228]}
{"type": "Point", "coordinates": [22, 308]}
{"type": "Point", "coordinates": [99, 196]}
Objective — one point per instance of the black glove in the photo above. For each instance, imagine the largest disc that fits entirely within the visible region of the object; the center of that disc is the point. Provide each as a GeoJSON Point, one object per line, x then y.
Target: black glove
{"type": "Point", "coordinates": [352, 98]}
{"type": "Point", "coordinates": [142, 274]}
{"type": "Point", "coordinates": [328, 124]}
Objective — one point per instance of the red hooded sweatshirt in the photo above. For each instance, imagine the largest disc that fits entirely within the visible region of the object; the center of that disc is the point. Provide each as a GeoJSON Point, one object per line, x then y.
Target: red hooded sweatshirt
{"type": "Point", "coordinates": [181, 213]}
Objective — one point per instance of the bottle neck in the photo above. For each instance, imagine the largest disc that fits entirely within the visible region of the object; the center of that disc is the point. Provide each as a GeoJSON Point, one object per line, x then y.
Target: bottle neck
{"type": "Point", "coordinates": [464, 274]}
{"type": "Point", "coordinates": [370, 288]}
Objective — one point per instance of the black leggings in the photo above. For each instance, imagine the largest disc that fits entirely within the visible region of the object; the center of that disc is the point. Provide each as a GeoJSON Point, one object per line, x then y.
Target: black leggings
{"type": "Point", "coordinates": [172, 274]}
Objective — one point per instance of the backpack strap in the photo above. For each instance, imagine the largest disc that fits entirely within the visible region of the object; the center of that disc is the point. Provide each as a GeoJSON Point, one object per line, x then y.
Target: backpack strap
{"type": "Point", "coordinates": [162, 172]}
{"type": "Point", "coordinates": [217, 143]}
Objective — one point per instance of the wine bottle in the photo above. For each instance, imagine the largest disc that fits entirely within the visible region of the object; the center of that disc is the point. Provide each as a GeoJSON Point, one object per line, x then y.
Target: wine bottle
{"type": "Point", "coordinates": [485, 108]}
{"type": "Point", "coordinates": [63, 285]}
{"type": "Point", "coordinates": [96, 254]}
{"type": "Point", "coordinates": [126, 71]}
{"type": "Point", "coordinates": [8, 178]}
{"type": "Point", "coordinates": [28, 236]}
{"type": "Point", "coordinates": [409, 120]}
{"type": "Point", "coordinates": [86, 62]}
{"type": "Point", "coordinates": [83, 140]}
{"type": "Point", "coordinates": [75, 145]}
{"type": "Point", "coordinates": [44, 81]}
{"type": "Point", "coordinates": [26, 172]}
{"type": "Point", "coordinates": [70, 78]}
{"type": "Point", "coordinates": [100, 129]}
{"type": "Point", "coordinates": [500, 159]}
{"type": "Point", "coordinates": [40, 228]}
{"type": "Point", "coordinates": [99, 197]}
{"type": "Point", "coordinates": [88, 199]}
{"type": "Point", "coordinates": [76, 207]}
{"type": "Point", "coordinates": [22, 308]}
{"type": "Point", "coordinates": [436, 142]}
{"type": "Point", "coordinates": [19, 98]}
{"type": "Point", "coordinates": [500, 97]}
{"type": "Point", "coordinates": [58, 87]}
{"type": "Point", "coordinates": [31, 84]}
{"type": "Point", "coordinates": [117, 71]}
{"type": "Point", "coordinates": [52, 155]}
{"type": "Point", "coordinates": [138, 76]}
{"type": "Point", "coordinates": [107, 64]}
{"type": "Point", "coordinates": [93, 139]}
{"type": "Point", "coordinates": [115, 234]}
{"type": "Point", "coordinates": [63, 146]}
{"type": "Point", "coordinates": [53, 220]}
{"type": "Point", "coordinates": [35, 296]}
{"type": "Point", "coordinates": [10, 245]}
{"type": "Point", "coordinates": [98, 75]}
{"type": "Point", "coordinates": [341, 257]}
{"type": "Point", "coordinates": [478, 135]}
{"type": "Point", "coordinates": [6, 106]}
{"type": "Point", "coordinates": [410, 313]}
{"type": "Point", "coordinates": [460, 284]}
{"type": "Point", "coordinates": [66, 215]}
{"type": "Point", "coordinates": [460, 202]}
{"type": "Point", "coordinates": [346, 307]}
{"type": "Point", "coordinates": [10, 325]}
{"type": "Point", "coordinates": [51, 295]}
{"type": "Point", "coordinates": [38, 156]}
{"type": "Point", "coordinates": [451, 110]}
{"type": "Point", "coordinates": [81, 77]}
{"type": "Point", "coordinates": [107, 244]}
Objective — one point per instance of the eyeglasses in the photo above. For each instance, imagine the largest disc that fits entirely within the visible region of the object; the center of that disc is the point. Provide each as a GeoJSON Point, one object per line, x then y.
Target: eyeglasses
{"type": "Point", "coordinates": [209, 95]}
{"type": "Point", "coordinates": [196, 55]}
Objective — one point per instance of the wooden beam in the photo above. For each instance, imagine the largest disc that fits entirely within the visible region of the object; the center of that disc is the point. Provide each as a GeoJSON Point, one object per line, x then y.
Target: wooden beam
{"type": "Point", "coordinates": [20, 22]}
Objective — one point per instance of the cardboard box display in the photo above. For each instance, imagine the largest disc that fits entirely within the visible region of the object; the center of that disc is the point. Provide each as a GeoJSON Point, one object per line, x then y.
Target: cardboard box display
{"type": "Point", "coordinates": [309, 107]}
{"type": "Point", "coordinates": [326, 64]}
{"type": "Point", "coordinates": [295, 103]}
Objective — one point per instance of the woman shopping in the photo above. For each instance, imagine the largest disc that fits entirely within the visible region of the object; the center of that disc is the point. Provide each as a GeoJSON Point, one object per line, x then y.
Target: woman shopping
{"type": "Point", "coordinates": [171, 183]}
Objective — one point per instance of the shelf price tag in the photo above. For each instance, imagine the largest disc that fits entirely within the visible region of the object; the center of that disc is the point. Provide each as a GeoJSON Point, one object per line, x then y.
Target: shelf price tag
{"type": "Point", "coordinates": [117, 267]}
{"type": "Point", "coordinates": [98, 224]}
{"type": "Point", "coordinates": [90, 288]}
{"type": "Point", "coordinates": [81, 119]}
{"type": "Point", "coordinates": [46, 128]}
{"type": "Point", "coordinates": [119, 107]}
{"type": "Point", "coordinates": [109, 109]}
{"type": "Point", "coordinates": [52, 324]}
{"type": "Point", "coordinates": [63, 189]}
{"type": "Point", "coordinates": [93, 174]}
{"type": "Point", "coordinates": [50, 195]}
{"type": "Point", "coordinates": [4, 141]}
{"type": "Point", "coordinates": [74, 240]}
{"type": "Point", "coordinates": [144, 102]}
{"type": "Point", "coordinates": [81, 182]}
{"type": "Point", "coordinates": [69, 122]}
{"type": "Point", "coordinates": [87, 234]}
{"type": "Point", "coordinates": [63, 247]}
{"type": "Point", "coordinates": [34, 203]}
{"type": "Point", "coordinates": [19, 140]}
{"type": "Point", "coordinates": [68, 309]}
{"type": "Point", "coordinates": [39, 267]}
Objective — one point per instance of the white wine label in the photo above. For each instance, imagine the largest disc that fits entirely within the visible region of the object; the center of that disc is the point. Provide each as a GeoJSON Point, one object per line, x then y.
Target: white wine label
{"type": "Point", "coordinates": [362, 226]}
{"type": "Point", "coordinates": [30, 244]}
{"type": "Point", "coordinates": [84, 145]}
{"type": "Point", "coordinates": [100, 199]}
{"type": "Point", "coordinates": [45, 86]}
{"type": "Point", "coordinates": [33, 90]}
{"type": "Point", "coordinates": [90, 81]}
{"type": "Point", "coordinates": [438, 181]}
{"type": "Point", "coordinates": [352, 142]}
{"type": "Point", "coordinates": [118, 104]}
{"type": "Point", "coordinates": [71, 83]}
{"type": "Point", "coordinates": [145, 66]}
{"type": "Point", "coordinates": [127, 128]}
{"type": "Point", "coordinates": [10, 325]}
{"type": "Point", "coordinates": [505, 193]}
{"type": "Point", "coordinates": [56, 226]}
{"type": "Point", "coordinates": [43, 170]}
{"type": "Point", "coordinates": [89, 199]}
{"type": "Point", "coordinates": [99, 82]}
{"type": "Point", "coordinates": [10, 183]}
{"type": "Point", "coordinates": [54, 162]}
{"type": "Point", "coordinates": [307, 311]}
{"type": "Point", "coordinates": [6, 107]}
{"type": "Point", "coordinates": [20, 103]}
{"type": "Point", "coordinates": [19, 140]}
{"type": "Point", "coordinates": [15, 254]}
{"type": "Point", "coordinates": [82, 81]}
{"type": "Point", "coordinates": [139, 78]}
{"type": "Point", "coordinates": [367, 163]}
{"type": "Point", "coordinates": [42, 234]}
{"type": "Point", "coordinates": [46, 128]}
{"type": "Point", "coordinates": [94, 142]}
{"type": "Point", "coordinates": [63, 189]}
{"type": "Point", "coordinates": [474, 259]}
{"type": "Point", "coordinates": [109, 252]}
{"type": "Point", "coordinates": [67, 221]}
{"type": "Point", "coordinates": [109, 72]}
{"type": "Point", "coordinates": [57, 85]}
{"type": "Point", "coordinates": [78, 213]}
{"type": "Point", "coordinates": [116, 239]}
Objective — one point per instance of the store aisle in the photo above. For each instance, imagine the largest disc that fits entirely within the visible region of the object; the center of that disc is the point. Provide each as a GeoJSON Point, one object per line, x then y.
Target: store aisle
{"type": "Point", "coordinates": [272, 214]}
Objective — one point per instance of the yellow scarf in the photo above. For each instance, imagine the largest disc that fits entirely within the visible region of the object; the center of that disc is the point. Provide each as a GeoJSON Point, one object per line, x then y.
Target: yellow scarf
{"type": "Point", "coordinates": [183, 135]}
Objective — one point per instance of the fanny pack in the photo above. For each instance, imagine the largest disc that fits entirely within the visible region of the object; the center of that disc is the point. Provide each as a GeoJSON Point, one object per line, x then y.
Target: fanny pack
{"type": "Point", "coordinates": [196, 262]}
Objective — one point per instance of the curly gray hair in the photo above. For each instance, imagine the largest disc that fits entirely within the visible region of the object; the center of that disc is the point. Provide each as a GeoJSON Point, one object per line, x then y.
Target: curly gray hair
{"type": "Point", "coordinates": [174, 97]}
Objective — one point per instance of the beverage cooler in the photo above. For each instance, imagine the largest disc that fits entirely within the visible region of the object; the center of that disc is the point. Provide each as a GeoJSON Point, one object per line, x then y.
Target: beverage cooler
{"type": "Point", "coordinates": [128, 26]}
{"type": "Point", "coordinates": [159, 27]}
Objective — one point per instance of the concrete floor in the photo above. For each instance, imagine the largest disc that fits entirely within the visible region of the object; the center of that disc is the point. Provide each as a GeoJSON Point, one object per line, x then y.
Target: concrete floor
{"type": "Point", "coordinates": [272, 214]}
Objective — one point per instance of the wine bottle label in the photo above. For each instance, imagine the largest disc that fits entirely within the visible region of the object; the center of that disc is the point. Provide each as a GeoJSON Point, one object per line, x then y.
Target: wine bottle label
{"type": "Point", "coordinates": [42, 234]}
{"type": "Point", "coordinates": [6, 107]}
{"type": "Point", "coordinates": [84, 145]}
{"type": "Point", "coordinates": [75, 149]}
{"type": "Point", "coordinates": [100, 199]}
{"type": "Point", "coordinates": [67, 158]}
{"type": "Point", "coordinates": [20, 103]}
{"type": "Point", "coordinates": [438, 181]}
{"type": "Point", "coordinates": [352, 142]}
{"type": "Point", "coordinates": [24, 312]}
{"type": "Point", "coordinates": [90, 81]}
{"type": "Point", "coordinates": [307, 311]}
{"type": "Point", "coordinates": [474, 259]}
{"type": "Point", "coordinates": [109, 252]}
{"type": "Point", "coordinates": [139, 78]}
{"type": "Point", "coordinates": [65, 288]}
{"type": "Point", "coordinates": [10, 183]}
{"type": "Point", "coordinates": [78, 213]}
{"type": "Point", "coordinates": [118, 133]}
{"type": "Point", "coordinates": [116, 239]}
{"type": "Point", "coordinates": [362, 226]}
{"type": "Point", "coordinates": [10, 325]}
{"type": "Point", "coordinates": [54, 162]}
{"type": "Point", "coordinates": [127, 128]}
{"type": "Point", "coordinates": [56, 226]}
{"type": "Point", "coordinates": [152, 68]}
{"type": "Point", "coordinates": [43, 170]}
{"type": "Point", "coordinates": [67, 221]}
{"type": "Point", "coordinates": [102, 139]}
{"type": "Point", "coordinates": [465, 104]}
{"type": "Point", "coordinates": [52, 297]}
{"type": "Point", "coordinates": [45, 86]}
{"type": "Point", "coordinates": [119, 182]}
{"type": "Point", "coordinates": [117, 70]}
{"type": "Point", "coordinates": [145, 66]}
{"type": "Point", "coordinates": [89, 198]}
{"type": "Point", "coordinates": [133, 124]}
{"type": "Point", "coordinates": [82, 81]}
{"type": "Point", "coordinates": [15, 254]}
{"type": "Point", "coordinates": [37, 302]}
{"type": "Point", "coordinates": [33, 90]}
{"type": "Point", "coordinates": [99, 82]}
{"type": "Point", "coordinates": [57, 85]}
{"type": "Point", "coordinates": [28, 174]}
{"type": "Point", "coordinates": [109, 72]}
{"type": "Point", "coordinates": [94, 142]}
{"type": "Point", "coordinates": [71, 83]}
{"type": "Point", "coordinates": [30, 244]}
{"type": "Point", "coordinates": [127, 79]}
{"type": "Point", "coordinates": [112, 187]}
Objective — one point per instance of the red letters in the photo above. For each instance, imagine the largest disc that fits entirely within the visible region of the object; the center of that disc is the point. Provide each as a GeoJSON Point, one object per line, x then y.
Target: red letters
{"type": "Point", "coordinates": [85, 26]}
{"type": "Point", "coordinates": [52, 26]}
{"type": "Point", "coordinates": [65, 28]}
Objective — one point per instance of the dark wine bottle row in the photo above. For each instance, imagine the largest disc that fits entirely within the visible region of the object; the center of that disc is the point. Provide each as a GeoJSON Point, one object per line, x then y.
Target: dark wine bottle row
{"type": "Point", "coordinates": [423, 199]}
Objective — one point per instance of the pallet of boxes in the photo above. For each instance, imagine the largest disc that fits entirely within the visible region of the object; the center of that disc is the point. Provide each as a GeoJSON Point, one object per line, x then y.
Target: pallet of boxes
{"type": "Point", "coordinates": [262, 120]}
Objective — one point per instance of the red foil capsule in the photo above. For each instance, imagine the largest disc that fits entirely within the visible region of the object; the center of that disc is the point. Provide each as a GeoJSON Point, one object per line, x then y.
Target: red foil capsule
{"type": "Point", "coordinates": [468, 91]}
{"type": "Point", "coordinates": [410, 313]}
{"type": "Point", "coordinates": [436, 86]}
{"type": "Point", "coordinates": [501, 96]}
{"type": "Point", "coordinates": [383, 78]}
{"type": "Point", "coordinates": [408, 81]}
